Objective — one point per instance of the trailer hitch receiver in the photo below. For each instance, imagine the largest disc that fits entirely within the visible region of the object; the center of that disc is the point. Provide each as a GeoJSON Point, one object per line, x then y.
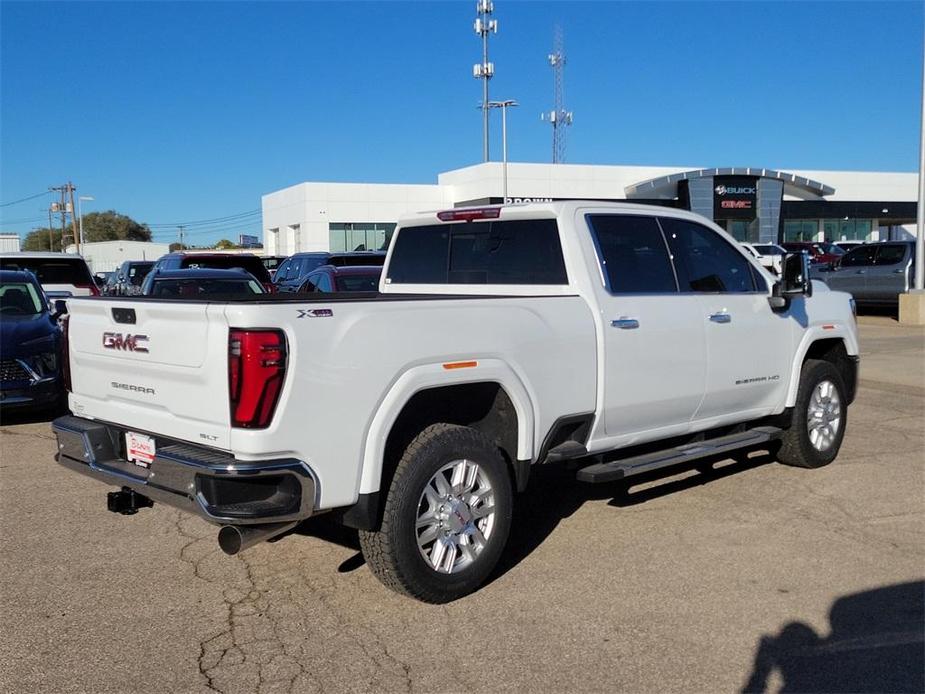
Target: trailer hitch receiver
{"type": "Point", "coordinates": [127, 501]}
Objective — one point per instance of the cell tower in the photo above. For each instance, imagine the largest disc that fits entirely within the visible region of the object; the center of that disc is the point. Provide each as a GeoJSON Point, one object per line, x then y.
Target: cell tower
{"type": "Point", "coordinates": [484, 25]}
{"type": "Point", "coordinates": [558, 117]}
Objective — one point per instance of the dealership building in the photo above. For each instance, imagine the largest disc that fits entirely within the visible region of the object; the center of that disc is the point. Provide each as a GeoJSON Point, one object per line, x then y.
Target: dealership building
{"type": "Point", "coordinates": [759, 205]}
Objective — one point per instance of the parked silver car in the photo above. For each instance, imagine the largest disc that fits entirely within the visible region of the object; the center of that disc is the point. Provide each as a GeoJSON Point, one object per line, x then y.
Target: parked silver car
{"type": "Point", "coordinates": [875, 273]}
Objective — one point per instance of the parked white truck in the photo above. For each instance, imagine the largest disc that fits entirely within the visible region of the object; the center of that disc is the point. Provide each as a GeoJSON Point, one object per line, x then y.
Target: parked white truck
{"type": "Point", "coordinates": [622, 337]}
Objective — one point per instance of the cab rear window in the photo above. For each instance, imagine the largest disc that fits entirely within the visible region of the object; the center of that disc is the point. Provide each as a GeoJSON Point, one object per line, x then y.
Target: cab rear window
{"type": "Point", "coordinates": [490, 252]}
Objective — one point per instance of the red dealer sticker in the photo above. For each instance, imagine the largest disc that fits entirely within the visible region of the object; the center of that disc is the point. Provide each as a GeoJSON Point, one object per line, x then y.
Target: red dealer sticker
{"type": "Point", "coordinates": [139, 449]}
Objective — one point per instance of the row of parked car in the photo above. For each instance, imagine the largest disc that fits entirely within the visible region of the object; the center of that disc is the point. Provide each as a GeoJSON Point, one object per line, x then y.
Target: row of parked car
{"type": "Point", "coordinates": [873, 273]}
{"type": "Point", "coordinates": [191, 274]}
{"type": "Point", "coordinates": [33, 286]}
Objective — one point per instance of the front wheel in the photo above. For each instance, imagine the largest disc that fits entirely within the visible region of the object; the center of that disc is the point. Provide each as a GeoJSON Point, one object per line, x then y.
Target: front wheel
{"type": "Point", "coordinates": [447, 516]}
{"type": "Point", "coordinates": [819, 417]}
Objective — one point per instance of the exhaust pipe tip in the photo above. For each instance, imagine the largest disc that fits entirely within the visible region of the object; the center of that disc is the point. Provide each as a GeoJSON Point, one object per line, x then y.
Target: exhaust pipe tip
{"type": "Point", "coordinates": [230, 540]}
{"type": "Point", "coordinates": [236, 538]}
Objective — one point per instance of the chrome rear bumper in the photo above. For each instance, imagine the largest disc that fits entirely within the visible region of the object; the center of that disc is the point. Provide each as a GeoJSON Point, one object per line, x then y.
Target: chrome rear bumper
{"type": "Point", "coordinates": [209, 483]}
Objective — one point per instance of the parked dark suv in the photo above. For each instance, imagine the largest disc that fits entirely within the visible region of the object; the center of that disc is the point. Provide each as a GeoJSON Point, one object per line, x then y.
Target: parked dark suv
{"type": "Point", "coordinates": [218, 261]}
{"type": "Point", "coordinates": [291, 274]}
{"type": "Point", "coordinates": [30, 344]}
{"type": "Point", "coordinates": [198, 283]}
{"type": "Point", "coordinates": [128, 278]}
{"type": "Point", "coordinates": [350, 278]}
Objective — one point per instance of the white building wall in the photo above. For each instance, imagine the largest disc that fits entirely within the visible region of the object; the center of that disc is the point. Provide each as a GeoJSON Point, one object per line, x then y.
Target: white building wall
{"type": "Point", "coordinates": [9, 243]}
{"type": "Point", "coordinates": [106, 256]}
{"type": "Point", "coordinates": [296, 218]}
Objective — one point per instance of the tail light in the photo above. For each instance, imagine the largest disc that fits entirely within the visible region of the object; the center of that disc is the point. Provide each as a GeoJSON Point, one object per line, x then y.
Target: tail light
{"type": "Point", "coordinates": [66, 354]}
{"type": "Point", "coordinates": [256, 370]}
{"type": "Point", "coordinates": [270, 287]}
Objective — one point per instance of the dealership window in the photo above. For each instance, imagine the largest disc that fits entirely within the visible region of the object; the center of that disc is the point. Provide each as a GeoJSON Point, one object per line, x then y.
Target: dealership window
{"type": "Point", "coordinates": [801, 229]}
{"type": "Point", "coordinates": [741, 229]}
{"type": "Point", "coordinates": [847, 229]}
{"type": "Point", "coordinates": [360, 236]}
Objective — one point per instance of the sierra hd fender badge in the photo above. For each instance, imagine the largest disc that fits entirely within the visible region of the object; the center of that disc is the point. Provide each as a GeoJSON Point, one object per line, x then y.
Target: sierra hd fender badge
{"type": "Point", "coordinates": [315, 313]}
{"type": "Point", "coordinates": [127, 342]}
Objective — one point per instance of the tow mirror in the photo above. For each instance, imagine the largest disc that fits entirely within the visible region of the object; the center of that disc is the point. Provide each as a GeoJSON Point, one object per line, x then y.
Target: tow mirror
{"type": "Point", "coordinates": [794, 276]}
{"type": "Point", "coordinates": [794, 281]}
{"type": "Point", "coordinates": [60, 307]}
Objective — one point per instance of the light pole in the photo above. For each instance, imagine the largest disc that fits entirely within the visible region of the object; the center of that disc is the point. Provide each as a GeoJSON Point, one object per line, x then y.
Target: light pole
{"type": "Point", "coordinates": [503, 105]}
{"type": "Point", "coordinates": [81, 216]}
{"type": "Point", "coordinates": [920, 212]}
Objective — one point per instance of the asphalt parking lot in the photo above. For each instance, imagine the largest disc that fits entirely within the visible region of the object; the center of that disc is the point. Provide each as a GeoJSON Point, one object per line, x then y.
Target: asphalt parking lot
{"type": "Point", "coordinates": [755, 577]}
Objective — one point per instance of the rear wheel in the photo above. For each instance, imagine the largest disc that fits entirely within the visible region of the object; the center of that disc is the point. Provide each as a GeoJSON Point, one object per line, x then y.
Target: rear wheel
{"type": "Point", "coordinates": [447, 516]}
{"type": "Point", "coordinates": [819, 417]}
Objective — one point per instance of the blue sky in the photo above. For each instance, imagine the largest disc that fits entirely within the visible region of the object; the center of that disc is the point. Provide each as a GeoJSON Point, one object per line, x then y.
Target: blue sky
{"type": "Point", "coordinates": [172, 112]}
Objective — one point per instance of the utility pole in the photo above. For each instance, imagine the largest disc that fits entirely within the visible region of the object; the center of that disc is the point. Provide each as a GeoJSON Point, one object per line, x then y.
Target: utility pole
{"type": "Point", "coordinates": [63, 207]}
{"type": "Point", "coordinates": [70, 190]}
{"type": "Point", "coordinates": [180, 229]}
{"type": "Point", "coordinates": [484, 26]}
{"type": "Point", "coordinates": [51, 234]}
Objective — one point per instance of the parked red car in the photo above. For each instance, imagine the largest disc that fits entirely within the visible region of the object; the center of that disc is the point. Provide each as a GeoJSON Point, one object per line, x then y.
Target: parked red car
{"type": "Point", "coordinates": [819, 251]}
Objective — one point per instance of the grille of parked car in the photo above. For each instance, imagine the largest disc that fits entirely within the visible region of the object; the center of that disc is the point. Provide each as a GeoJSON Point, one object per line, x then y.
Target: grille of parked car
{"type": "Point", "coordinates": [11, 370]}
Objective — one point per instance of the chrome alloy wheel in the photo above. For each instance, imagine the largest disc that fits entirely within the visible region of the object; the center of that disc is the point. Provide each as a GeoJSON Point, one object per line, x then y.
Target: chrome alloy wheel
{"type": "Point", "coordinates": [823, 415]}
{"type": "Point", "coordinates": [456, 516]}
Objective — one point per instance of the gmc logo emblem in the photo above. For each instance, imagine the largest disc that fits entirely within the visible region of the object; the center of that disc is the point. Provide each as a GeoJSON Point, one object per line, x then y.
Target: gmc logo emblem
{"type": "Point", "coordinates": [131, 343]}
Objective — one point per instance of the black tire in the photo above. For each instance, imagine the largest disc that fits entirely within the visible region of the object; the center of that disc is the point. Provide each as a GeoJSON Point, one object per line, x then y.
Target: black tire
{"type": "Point", "coordinates": [392, 551]}
{"type": "Point", "coordinates": [796, 447]}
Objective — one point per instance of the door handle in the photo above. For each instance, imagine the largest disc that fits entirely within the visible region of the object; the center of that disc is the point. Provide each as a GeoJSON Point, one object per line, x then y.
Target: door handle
{"type": "Point", "coordinates": [720, 318]}
{"type": "Point", "coordinates": [625, 323]}
{"type": "Point", "coordinates": [899, 272]}
{"type": "Point", "coordinates": [861, 272]}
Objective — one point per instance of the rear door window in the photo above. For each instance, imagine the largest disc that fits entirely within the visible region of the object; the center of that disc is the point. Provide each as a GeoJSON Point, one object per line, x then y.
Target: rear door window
{"type": "Point", "coordinates": [632, 254]}
{"type": "Point", "coordinates": [890, 254]}
{"type": "Point", "coordinates": [859, 257]}
{"type": "Point", "coordinates": [491, 252]}
{"type": "Point", "coordinates": [705, 261]}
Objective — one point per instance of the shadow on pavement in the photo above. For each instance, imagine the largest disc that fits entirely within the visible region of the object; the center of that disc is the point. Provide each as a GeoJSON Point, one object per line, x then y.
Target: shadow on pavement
{"type": "Point", "coordinates": [876, 644]}
{"type": "Point", "coordinates": [12, 417]}
{"type": "Point", "coordinates": [552, 495]}
{"type": "Point", "coordinates": [886, 311]}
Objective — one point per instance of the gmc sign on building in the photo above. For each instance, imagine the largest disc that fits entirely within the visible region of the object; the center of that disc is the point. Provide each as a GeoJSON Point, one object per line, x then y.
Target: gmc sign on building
{"type": "Point", "coordinates": [735, 197]}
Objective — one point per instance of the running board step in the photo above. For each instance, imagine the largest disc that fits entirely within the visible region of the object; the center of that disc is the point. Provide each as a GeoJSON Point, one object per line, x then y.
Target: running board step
{"type": "Point", "coordinates": [627, 467]}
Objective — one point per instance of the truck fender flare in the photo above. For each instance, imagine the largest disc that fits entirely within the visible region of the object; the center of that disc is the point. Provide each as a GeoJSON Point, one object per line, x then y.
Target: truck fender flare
{"type": "Point", "coordinates": [425, 376]}
{"type": "Point", "coordinates": [814, 334]}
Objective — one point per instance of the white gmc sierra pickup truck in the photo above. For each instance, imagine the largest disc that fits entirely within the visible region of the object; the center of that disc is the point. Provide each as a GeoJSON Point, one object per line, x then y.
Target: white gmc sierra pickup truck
{"type": "Point", "coordinates": [621, 337]}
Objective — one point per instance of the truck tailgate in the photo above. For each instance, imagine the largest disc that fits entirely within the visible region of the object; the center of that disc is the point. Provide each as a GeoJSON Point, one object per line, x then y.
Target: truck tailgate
{"type": "Point", "coordinates": [152, 366]}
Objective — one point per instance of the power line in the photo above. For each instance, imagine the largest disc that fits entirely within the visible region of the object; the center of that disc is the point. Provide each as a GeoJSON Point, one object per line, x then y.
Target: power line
{"type": "Point", "coordinates": [198, 222]}
{"type": "Point", "coordinates": [31, 197]}
{"type": "Point", "coordinates": [24, 220]}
